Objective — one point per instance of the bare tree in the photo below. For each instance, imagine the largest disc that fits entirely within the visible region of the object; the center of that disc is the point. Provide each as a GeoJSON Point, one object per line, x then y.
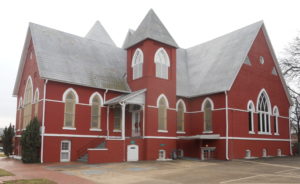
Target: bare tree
{"type": "Point", "coordinates": [290, 65]}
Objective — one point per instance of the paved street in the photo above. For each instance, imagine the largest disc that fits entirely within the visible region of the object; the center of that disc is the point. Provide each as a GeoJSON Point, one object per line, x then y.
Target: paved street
{"type": "Point", "coordinates": [270, 170]}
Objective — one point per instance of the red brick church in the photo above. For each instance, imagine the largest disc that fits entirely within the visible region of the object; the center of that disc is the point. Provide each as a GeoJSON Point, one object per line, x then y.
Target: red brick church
{"type": "Point", "coordinates": [152, 100]}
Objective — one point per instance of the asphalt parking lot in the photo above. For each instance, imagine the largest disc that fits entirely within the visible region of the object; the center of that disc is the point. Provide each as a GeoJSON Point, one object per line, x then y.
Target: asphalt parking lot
{"type": "Point", "coordinates": [270, 170]}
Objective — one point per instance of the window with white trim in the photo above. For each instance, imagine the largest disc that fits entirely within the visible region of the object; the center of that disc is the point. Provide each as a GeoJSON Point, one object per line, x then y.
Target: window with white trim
{"type": "Point", "coordinates": [117, 118]}
{"type": "Point", "coordinates": [69, 115]}
{"type": "Point", "coordinates": [162, 63]}
{"type": "Point", "coordinates": [207, 116]}
{"type": "Point", "coordinates": [137, 64]}
{"type": "Point", "coordinates": [251, 110]}
{"type": "Point", "coordinates": [27, 103]}
{"type": "Point", "coordinates": [162, 114]}
{"type": "Point", "coordinates": [180, 117]}
{"type": "Point", "coordinates": [275, 115]}
{"type": "Point", "coordinates": [36, 102]}
{"type": "Point", "coordinates": [96, 112]}
{"type": "Point", "coordinates": [263, 113]}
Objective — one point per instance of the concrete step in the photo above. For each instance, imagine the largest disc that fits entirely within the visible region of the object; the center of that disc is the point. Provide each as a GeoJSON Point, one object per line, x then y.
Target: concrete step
{"type": "Point", "coordinates": [84, 158]}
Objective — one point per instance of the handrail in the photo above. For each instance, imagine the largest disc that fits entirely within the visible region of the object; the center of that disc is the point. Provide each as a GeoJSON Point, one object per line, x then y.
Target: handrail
{"type": "Point", "coordinates": [93, 143]}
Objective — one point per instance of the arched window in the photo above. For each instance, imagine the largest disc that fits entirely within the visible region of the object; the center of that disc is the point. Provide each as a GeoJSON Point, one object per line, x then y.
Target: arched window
{"type": "Point", "coordinates": [276, 114]}
{"type": "Point", "coordinates": [162, 63]}
{"type": "Point", "coordinates": [207, 108]}
{"type": "Point", "coordinates": [70, 101]}
{"type": "Point", "coordinates": [162, 113]}
{"type": "Point", "coordinates": [180, 115]}
{"type": "Point", "coordinates": [251, 110]}
{"type": "Point", "coordinates": [20, 113]}
{"type": "Point", "coordinates": [137, 64]}
{"type": "Point", "coordinates": [263, 108]}
{"type": "Point", "coordinates": [96, 112]}
{"type": "Point", "coordinates": [27, 103]}
{"type": "Point", "coordinates": [36, 102]}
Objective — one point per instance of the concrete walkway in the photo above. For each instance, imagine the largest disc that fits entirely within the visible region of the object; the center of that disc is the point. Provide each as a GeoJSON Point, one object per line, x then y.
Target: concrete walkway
{"type": "Point", "coordinates": [31, 171]}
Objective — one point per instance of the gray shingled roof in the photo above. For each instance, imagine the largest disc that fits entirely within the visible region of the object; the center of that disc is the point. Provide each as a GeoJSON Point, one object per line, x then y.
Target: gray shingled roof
{"type": "Point", "coordinates": [212, 66]}
{"type": "Point", "coordinates": [72, 59]}
{"type": "Point", "coordinates": [151, 28]}
{"type": "Point", "coordinates": [98, 33]}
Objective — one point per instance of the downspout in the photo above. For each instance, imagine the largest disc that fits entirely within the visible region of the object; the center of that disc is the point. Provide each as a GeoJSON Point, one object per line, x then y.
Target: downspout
{"type": "Point", "coordinates": [227, 124]}
{"type": "Point", "coordinates": [123, 105]}
{"type": "Point", "coordinates": [43, 122]}
{"type": "Point", "coordinates": [291, 151]}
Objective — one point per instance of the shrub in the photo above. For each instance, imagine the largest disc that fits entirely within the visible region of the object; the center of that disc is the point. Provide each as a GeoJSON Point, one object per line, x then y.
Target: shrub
{"type": "Point", "coordinates": [31, 142]}
{"type": "Point", "coordinates": [7, 138]}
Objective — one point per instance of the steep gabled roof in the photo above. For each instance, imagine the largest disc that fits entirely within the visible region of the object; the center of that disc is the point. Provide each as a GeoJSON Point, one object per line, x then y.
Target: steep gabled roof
{"type": "Point", "coordinates": [98, 33]}
{"type": "Point", "coordinates": [64, 57]}
{"type": "Point", "coordinates": [151, 28]}
{"type": "Point", "coordinates": [213, 66]}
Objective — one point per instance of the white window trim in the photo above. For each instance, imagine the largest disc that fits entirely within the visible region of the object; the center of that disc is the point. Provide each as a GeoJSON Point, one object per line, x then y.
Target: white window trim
{"type": "Point", "coordinates": [181, 132]}
{"type": "Point", "coordinates": [93, 95]}
{"type": "Point", "coordinates": [133, 64]}
{"type": "Point", "coordinates": [96, 129]}
{"type": "Point", "coordinates": [276, 115]}
{"type": "Point", "coordinates": [117, 130]}
{"type": "Point", "coordinates": [162, 131]}
{"type": "Point", "coordinates": [162, 96]}
{"type": "Point", "coordinates": [184, 111]}
{"type": "Point", "coordinates": [167, 64]}
{"type": "Point", "coordinates": [66, 93]}
{"type": "Point", "coordinates": [211, 102]}
{"type": "Point", "coordinates": [252, 110]}
{"type": "Point", "coordinates": [69, 128]}
{"type": "Point", "coordinates": [262, 113]}
{"type": "Point", "coordinates": [70, 150]}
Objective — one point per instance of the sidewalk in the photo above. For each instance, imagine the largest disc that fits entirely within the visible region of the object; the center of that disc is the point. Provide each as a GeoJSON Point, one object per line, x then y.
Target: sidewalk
{"type": "Point", "coordinates": [31, 171]}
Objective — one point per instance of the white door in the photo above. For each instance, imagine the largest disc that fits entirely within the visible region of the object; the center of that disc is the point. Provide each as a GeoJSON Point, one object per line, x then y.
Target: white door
{"type": "Point", "coordinates": [135, 123]}
{"type": "Point", "coordinates": [132, 153]}
{"type": "Point", "coordinates": [65, 152]}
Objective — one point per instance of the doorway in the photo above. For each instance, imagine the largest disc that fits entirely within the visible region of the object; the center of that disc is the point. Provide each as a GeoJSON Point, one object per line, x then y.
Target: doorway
{"type": "Point", "coordinates": [65, 153]}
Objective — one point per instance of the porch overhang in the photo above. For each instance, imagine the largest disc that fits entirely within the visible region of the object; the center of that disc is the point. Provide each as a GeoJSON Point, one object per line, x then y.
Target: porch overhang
{"type": "Point", "coordinates": [201, 136]}
{"type": "Point", "coordinates": [136, 97]}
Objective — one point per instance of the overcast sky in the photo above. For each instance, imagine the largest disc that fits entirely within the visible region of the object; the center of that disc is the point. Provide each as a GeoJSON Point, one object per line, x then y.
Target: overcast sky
{"type": "Point", "coordinates": [189, 22]}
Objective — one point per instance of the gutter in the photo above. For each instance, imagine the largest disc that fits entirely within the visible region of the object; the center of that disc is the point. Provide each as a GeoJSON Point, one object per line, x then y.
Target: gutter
{"type": "Point", "coordinates": [43, 122]}
{"type": "Point", "coordinates": [227, 124]}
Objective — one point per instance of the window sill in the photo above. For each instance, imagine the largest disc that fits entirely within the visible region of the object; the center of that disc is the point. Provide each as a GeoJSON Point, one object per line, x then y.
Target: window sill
{"type": "Point", "coordinates": [69, 128]}
{"type": "Point", "coordinates": [115, 130]}
{"type": "Point", "coordinates": [180, 132]}
{"type": "Point", "coordinates": [264, 133]}
{"type": "Point", "coordinates": [96, 129]}
{"type": "Point", "coordinates": [162, 131]}
{"type": "Point", "coordinates": [251, 132]}
{"type": "Point", "coordinates": [276, 134]}
{"type": "Point", "coordinates": [207, 132]}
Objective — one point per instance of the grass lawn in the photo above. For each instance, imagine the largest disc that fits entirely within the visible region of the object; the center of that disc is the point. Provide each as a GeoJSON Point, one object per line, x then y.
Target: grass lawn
{"type": "Point", "coordinates": [5, 173]}
{"type": "Point", "coordinates": [32, 181]}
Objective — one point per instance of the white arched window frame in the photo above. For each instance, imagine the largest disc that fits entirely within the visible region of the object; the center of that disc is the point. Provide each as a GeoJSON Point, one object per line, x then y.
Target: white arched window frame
{"type": "Point", "coordinates": [96, 102]}
{"type": "Point", "coordinates": [162, 63]}
{"type": "Point", "coordinates": [162, 107]}
{"type": "Point", "coordinates": [28, 96]}
{"type": "Point", "coordinates": [276, 115]}
{"type": "Point", "coordinates": [36, 102]}
{"type": "Point", "coordinates": [207, 108]}
{"type": "Point", "coordinates": [180, 109]}
{"type": "Point", "coordinates": [70, 99]}
{"type": "Point", "coordinates": [251, 110]}
{"type": "Point", "coordinates": [137, 64]}
{"type": "Point", "coordinates": [263, 112]}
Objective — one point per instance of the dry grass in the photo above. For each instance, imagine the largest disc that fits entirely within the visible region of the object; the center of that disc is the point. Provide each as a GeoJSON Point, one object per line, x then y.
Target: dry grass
{"type": "Point", "coordinates": [5, 173]}
{"type": "Point", "coordinates": [32, 181]}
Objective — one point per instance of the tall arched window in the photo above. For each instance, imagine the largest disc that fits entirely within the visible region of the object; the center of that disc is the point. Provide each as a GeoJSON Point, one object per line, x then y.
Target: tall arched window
{"type": "Point", "coordinates": [276, 114]}
{"type": "Point", "coordinates": [137, 64]}
{"type": "Point", "coordinates": [70, 101]}
{"type": "Point", "coordinates": [162, 113]}
{"type": "Point", "coordinates": [180, 116]}
{"type": "Point", "coordinates": [20, 113]}
{"type": "Point", "coordinates": [251, 110]}
{"type": "Point", "coordinates": [96, 112]}
{"type": "Point", "coordinates": [36, 102]}
{"type": "Point", "coordinates": [162, 63]}
{"type": "Point", "coordinates": [207, 108]}
{"type": "Point", "coordinates": [263, 108]}
{"type": "Point", "coordinates": [27, 103]}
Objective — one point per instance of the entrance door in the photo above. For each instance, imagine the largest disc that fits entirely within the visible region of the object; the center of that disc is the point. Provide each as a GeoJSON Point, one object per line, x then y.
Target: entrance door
{"type": "Point", "coordinates": [132, 153]}
{"type": "Point", "coordinates": [136, 123]}
{"type": "Point", "coordinates": [65, 152]}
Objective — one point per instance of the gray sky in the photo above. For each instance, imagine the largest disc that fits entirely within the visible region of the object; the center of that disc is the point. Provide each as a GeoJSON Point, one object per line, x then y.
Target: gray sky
{"type": "Point", "coordinates": [190, 22]}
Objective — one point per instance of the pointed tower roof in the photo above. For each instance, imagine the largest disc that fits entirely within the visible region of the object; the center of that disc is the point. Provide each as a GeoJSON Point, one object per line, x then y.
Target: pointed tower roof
{"type": "Point", "coordinates": [128, 37]}
{"type": "Point", "coordinates": [98, 33]}
{"type": "Point", "coordinates": [152, 28]}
